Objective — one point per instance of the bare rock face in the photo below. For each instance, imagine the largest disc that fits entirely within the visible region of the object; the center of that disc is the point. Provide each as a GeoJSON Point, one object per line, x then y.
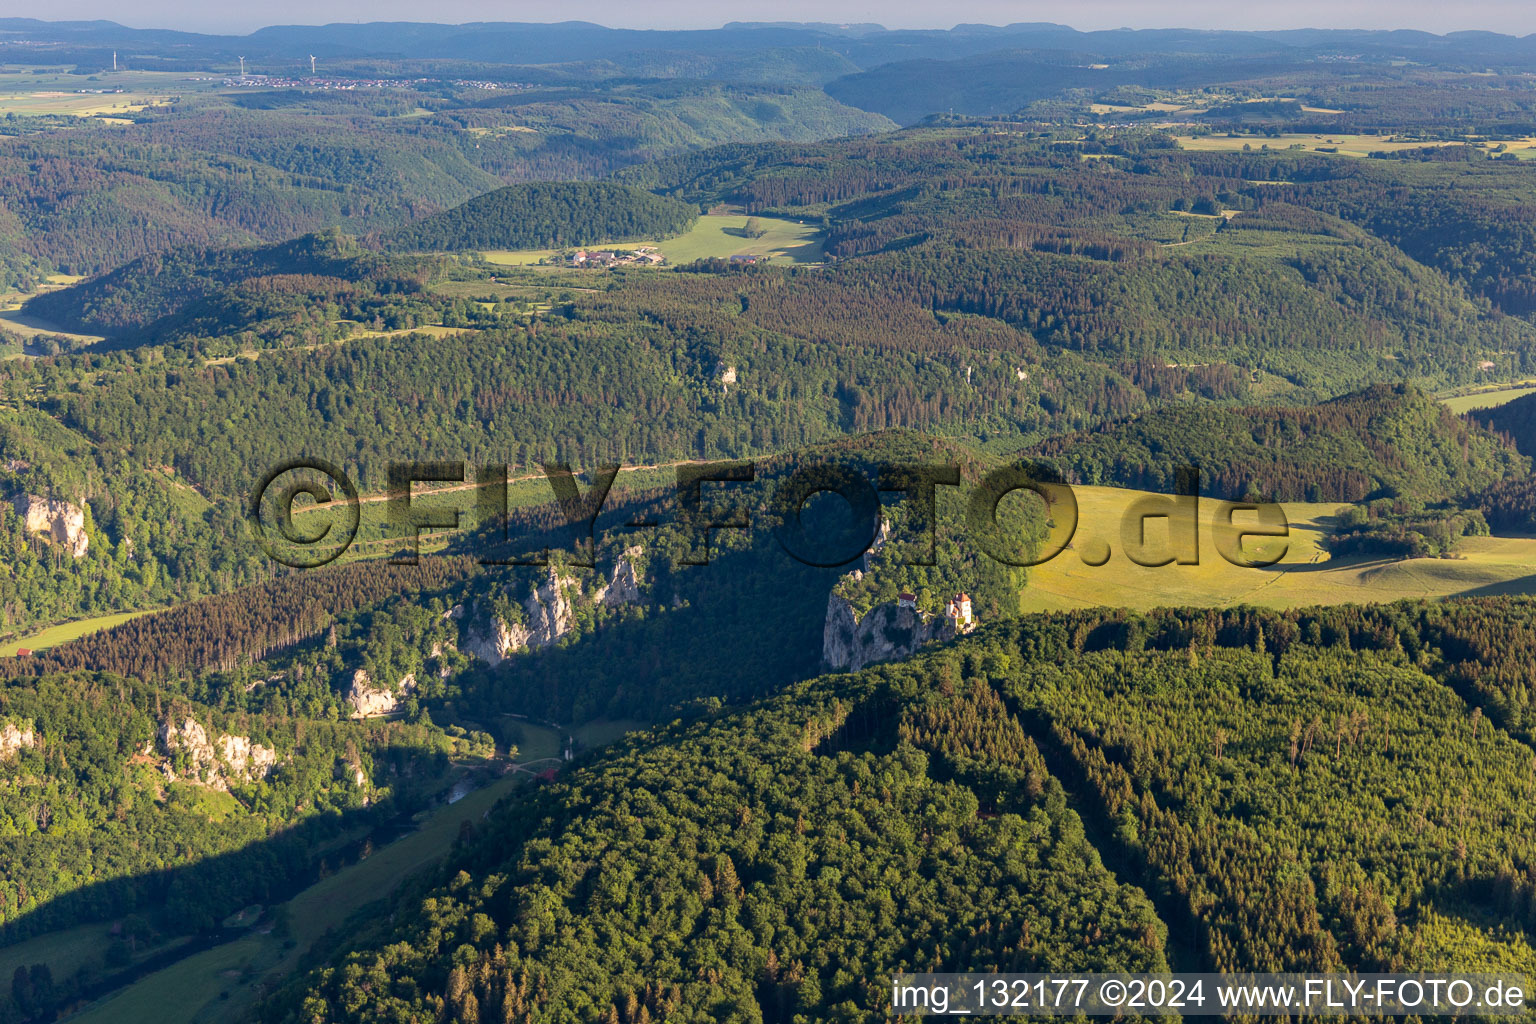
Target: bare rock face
{"type": "Point", "coordinates": [193, 739]}
{"type": "Point", "coordinates": [496, 641]}
{"type": "Point", "coordinates": [624, 587]}
{"type": "Point", "coordinates": [233, 758]}
{"type": "Point", "coordinates": [550, 615]}
{"type": "Point", "coordinates": [886, 632]}
{"type": "Point", "coordinates": [369, 701]}
{"type": "Point", "coordinates": [247, 761]}
{"type": "Point", "coordinates": [57, 520]}
{"type": "Point", "coordinates": [14, 739]}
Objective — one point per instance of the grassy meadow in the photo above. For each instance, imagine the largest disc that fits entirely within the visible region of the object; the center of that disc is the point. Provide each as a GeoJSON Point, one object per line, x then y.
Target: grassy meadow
{"type": "Point", "coordinates": [1488, 398]}
{"type": "Point", "coordinates": [66, 631]}
{"type": "Point", "coordinates": [713, 235]}
{"type": "Point", "coordinates": [1305, 576]}
{"type": "Point", "coordinates": [44, 91]}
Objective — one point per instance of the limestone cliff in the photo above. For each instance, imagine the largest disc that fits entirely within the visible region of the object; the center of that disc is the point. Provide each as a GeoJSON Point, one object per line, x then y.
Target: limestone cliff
{"type": "Point", "coordinates": [549, 613]}
{"type": "Point", "coordinates": [57, 520]}
{"type": "Point", "coordinates": [13, 739]}
{"type": "Point", "coordinates": [369, 701]}
{"type": "Point", "coordinates": [235, 758]}
{"type": "Point", "coordinates": [886, 632]}
{"type": "Point", "coordinates": [623, 587]}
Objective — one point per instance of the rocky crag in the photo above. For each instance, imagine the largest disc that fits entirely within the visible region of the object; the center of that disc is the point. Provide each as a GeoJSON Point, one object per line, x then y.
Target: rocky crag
{"type": "Point", "coordinates": [59, 521]}
{"type": "Point", "coordinates": [549, 612]}
{"type": "Point", "coordinates": [212, 764]}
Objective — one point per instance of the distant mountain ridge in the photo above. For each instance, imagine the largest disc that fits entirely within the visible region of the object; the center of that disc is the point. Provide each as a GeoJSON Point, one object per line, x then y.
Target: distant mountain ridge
{"type": "Point", "coordinates": [867, 44]}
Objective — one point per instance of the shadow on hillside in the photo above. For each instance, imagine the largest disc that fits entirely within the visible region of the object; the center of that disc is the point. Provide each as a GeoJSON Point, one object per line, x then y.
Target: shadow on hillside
{"type": "Point", "coordinates": [188, 902]}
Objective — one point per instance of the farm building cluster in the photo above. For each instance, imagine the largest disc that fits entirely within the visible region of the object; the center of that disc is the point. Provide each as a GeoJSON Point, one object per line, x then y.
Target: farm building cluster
{"type": "Point", "coordinates": [643, 256]}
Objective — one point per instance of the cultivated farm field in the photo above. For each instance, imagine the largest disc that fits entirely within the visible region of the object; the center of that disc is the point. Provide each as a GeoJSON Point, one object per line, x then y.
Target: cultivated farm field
{"type": "Point", "coordinates": [1305, 576]}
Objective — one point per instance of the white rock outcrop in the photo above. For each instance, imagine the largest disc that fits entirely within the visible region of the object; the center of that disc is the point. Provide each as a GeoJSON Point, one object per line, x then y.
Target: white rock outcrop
{"type": "Point", "coordinates": [725, 375]}
{"type": "Point", "coordinates": [234, 758]}
{"type": "Point", "coordinates": [57, 520]}
{"type": "Point", "coordinates": [549, 615]}
{"type": "Point", "coordinates": [886, 632]}
{"type": "Point", "coordinates": [14, 739]}
{"type": "Point", "coordinates": [624, 586]}
{"type": "Point", "coordinates": [369, 701]}
{"type": "Point", "coordinates": [494, 641]}
{"type": "Point", "coordinates": [247, 761]}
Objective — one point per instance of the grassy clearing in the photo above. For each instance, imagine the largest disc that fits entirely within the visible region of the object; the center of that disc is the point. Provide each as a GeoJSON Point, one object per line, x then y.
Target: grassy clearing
{"type": "Point", "coordinates": [55, 635]}
{"type": "Point", "coordinates": [28, 327]}
{"type": "Point", "coordinates": [15, 322]}
{"type": "Point", "coordinates": [713, 235]}
{"type": "Point", "coordinates": [1306, 575]}
{"type": "Point", "coordinates": [1489, 398]}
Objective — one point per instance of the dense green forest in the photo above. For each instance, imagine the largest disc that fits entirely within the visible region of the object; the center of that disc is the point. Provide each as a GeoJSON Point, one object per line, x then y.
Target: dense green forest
{"type": "Point", "coordinates": [203, 292]}
{"type": "Point", "coordinates": [1393, 442]}
{"type": "Point", "coordinates": [1098, 256]}
{"type": "Point", "coordinates": [996, 288]}
{"type": "Point", "coordinates": [782, 858]}
{"type": "Point", "coordinates": [548, 215]}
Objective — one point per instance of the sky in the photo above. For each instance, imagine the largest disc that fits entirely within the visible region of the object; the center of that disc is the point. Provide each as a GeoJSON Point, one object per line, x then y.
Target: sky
{"type": "Point", "coordinates": [1517, 17]}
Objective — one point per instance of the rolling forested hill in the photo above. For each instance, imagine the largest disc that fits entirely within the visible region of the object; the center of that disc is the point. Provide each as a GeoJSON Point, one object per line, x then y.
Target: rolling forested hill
{"type": "Point", "coordinates": [548, 215]}
{"type": "Point", "coordinates": [1382, 442]}
{"type": "Point", "coordinates": [205, 291]}
{"type": "Point", "coordinates": [217, 170]}
{"type": "Point", "coordinates": [1154, 249]}
{"type": "Point", "coordinates": [996, 288]}
{"type": "Point", "coordinates": [1048, 777]}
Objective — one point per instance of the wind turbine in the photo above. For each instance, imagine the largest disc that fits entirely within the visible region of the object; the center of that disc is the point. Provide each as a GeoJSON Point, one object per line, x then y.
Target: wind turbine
{"type": "Point", "coordinates": [242, 67]}
{"type": "Point", "coordinates": [311, 63]}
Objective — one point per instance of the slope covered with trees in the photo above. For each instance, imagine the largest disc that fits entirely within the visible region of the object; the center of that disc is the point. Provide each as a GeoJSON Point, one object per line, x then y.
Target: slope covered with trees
{"type": "Point", "coordinates": [1288, 791]}
{"type": "Point", "coordinates": [1382, 442]}
{"type": "Point", "coordinates": [549, 215]}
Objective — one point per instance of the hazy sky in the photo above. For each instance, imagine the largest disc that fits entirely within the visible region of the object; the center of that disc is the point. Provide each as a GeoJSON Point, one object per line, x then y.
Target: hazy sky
{"type": "Point", "coordinates": [1513, 16]}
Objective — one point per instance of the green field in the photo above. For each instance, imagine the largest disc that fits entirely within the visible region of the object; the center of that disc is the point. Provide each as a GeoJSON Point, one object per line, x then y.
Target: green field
{"type": "Point", "coordinates": [713, 235]}
{"type": "Point", "coordinates": [1489, 398]}
{"type": "Point", "coordinates": [15, 322]}
{"type": "Point", "coordinates": [1306, 575]}
{"type": "Point", "coordinates": [25, 93]}
{"type": "Point", "coordinates": [55, 635]}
